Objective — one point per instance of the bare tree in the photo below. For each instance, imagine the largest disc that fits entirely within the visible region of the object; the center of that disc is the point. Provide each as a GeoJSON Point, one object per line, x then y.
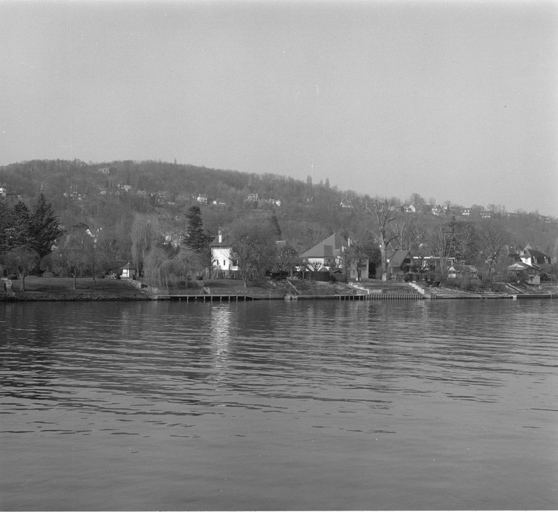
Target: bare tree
{"type": "Point", "coordinates": [440, 244]}
{"type": "Point", "coordinates": [152, 262]}
{"type": "Point", "coordinates": [253, 244]}
{"type": "Point", "coordinates": [287, 259]}
{"type": "Point", "coordinates": [72, 256]}
{"type": "Point", "coordinates": [145, 234]}
{"type": "Point", "coordinates": [385, 212]}
{"type": "Point", "coordinates": [409, 235]}
{"type": "Point", "coordinates": [493, 238]}
{"type": "Point", "coordinates": [21, 260]}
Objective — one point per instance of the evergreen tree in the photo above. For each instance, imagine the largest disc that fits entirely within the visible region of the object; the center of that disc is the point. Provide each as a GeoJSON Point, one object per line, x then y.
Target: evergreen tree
{"type": "Point", "coordinates": [44, 227]}
{"type": "Point", "coordinates": [6, 225]}
{"type": "Point", "coordinates": [196, 239]}
{"type": "Point", "coordinates": [19, 234]}
{"type": "Point", "coordinates": [275, 227]}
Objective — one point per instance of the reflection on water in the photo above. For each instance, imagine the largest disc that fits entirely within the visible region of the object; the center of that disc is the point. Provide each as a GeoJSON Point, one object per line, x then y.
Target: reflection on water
{"type": "Point", "coordinates": [220, 335]}
{"type": "Point", "coordinates": [279, 405]}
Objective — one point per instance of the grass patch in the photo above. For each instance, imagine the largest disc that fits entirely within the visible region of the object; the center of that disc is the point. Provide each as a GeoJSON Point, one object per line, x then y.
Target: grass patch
{"type": "Point", "coordinates": [62, 288]}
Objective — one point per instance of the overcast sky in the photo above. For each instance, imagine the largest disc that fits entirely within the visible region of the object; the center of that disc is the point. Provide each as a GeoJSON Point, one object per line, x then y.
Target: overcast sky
{"type": "Point", "coordinates": [453, 100]}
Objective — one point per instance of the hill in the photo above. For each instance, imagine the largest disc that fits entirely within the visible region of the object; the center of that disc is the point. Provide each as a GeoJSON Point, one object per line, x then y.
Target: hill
{"type": "Point", "coordinates": [106, 196]}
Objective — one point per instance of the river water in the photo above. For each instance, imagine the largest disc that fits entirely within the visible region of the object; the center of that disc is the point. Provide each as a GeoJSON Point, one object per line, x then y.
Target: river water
{"type": "Point", "coordinates": [279, 405]}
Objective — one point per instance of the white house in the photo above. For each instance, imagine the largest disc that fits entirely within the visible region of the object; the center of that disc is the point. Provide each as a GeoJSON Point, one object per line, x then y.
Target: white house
{"type": "Point", "coordinates": [128, 271]}
{"type": "Point", "coordinates": [222, 257]}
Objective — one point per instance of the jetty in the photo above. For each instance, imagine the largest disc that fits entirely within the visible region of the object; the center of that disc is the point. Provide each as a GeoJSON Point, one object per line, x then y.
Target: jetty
{"type": "Point", "coordinates": [210, 298]}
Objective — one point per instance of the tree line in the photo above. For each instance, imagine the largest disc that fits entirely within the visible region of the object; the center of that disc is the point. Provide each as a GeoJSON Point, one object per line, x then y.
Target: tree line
{"type": "Point", "coordinates": [33, 240]}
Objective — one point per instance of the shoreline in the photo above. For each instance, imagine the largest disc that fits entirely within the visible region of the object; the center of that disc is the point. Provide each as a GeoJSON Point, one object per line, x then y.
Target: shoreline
{"type": "Point", "coordinates": [39, 289]}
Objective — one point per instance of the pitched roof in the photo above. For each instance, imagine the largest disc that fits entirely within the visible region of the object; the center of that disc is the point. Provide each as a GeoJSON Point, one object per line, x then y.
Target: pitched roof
{"type": "Point", "coordinates": [521, 266]}
{"type": "Point", "coordinates": [328, 248]}
{"type": "Point", "coordinates": [397, 258]}
{"type": "Point", "coordinates": [464, 268]}
{"type": "Point", "coordinates": [536, 254]}
{"type": "Point", "coordinates": [224, 242]}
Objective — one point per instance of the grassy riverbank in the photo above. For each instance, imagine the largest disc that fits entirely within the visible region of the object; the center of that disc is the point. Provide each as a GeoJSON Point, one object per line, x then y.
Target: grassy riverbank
{"type": "Point", "coordinates": [62, 288]}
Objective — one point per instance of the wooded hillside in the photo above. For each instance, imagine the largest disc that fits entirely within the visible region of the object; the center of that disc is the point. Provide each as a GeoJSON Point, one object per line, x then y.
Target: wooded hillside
{"type": "Point", "coordinates": [108, 196]}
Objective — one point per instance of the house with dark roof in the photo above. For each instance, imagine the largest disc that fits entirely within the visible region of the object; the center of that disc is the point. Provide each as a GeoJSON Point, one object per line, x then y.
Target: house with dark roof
{"type": "Point", "coordinates": [128, 271]}
{"type": "Point", "coordinates": [531, 256]}
{"type": "Point", "coordinates": [528, 273]}
{"type": "Point", "coordinates": [436, 263]}
{"type": "Point", "coordinates": [335, 252]}
{"type": "Point", "coordinates": [459, 271]}
{"type": "Point", "coordinates": [399, 263]}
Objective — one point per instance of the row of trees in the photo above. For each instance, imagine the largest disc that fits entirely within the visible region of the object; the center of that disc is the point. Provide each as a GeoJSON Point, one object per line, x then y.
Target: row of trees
{"type": "Point", "coordinates": [163, 263]}
{"type": "Point", "coordinates": [253, 236]}
{"type": "Point", "coordinates": [481, 243]}
{"type": "Point", "coordinates": [27, 236]}
{"type": "Point", "coordinates": [253, 239]}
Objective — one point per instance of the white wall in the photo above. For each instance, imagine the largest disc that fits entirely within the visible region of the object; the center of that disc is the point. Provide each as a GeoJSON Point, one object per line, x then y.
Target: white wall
{"type": "Point", "coordinates": [221, 258]}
